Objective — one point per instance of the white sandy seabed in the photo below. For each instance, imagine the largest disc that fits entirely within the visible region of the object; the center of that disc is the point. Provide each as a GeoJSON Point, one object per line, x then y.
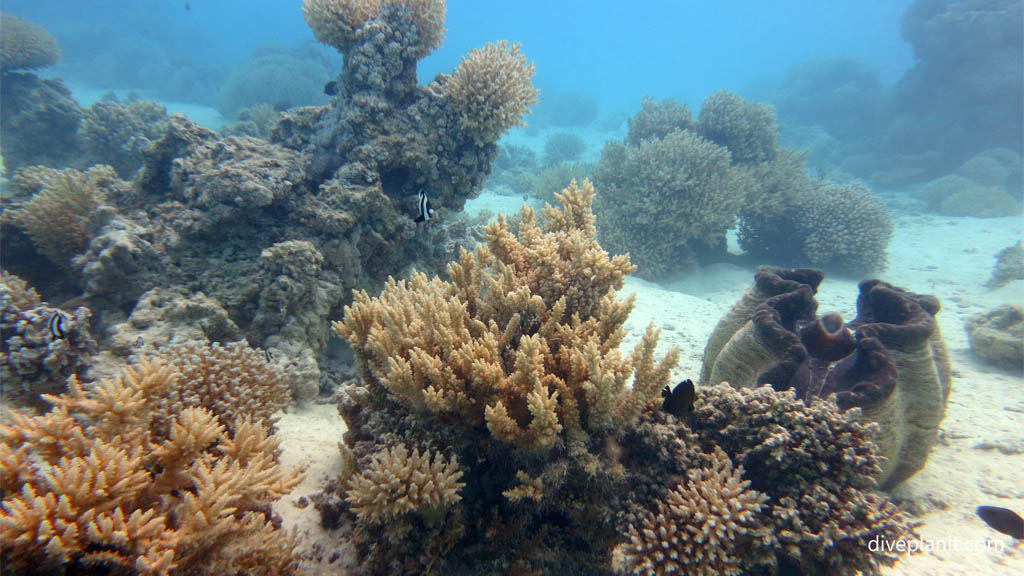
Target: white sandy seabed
{"type": "Point", "coordinates": [951, 258]}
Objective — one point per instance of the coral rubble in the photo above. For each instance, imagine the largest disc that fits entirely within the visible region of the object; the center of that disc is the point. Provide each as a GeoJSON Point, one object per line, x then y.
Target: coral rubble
{"type": "Point", "coordinates": [890, 361]}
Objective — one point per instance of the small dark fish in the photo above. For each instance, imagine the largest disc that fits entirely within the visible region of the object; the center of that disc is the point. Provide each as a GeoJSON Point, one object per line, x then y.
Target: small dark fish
{"type": "Point", "coordinates": [268, 355]}
{"type": "Point", "coordinates": [139, 342]}
{"type": "Point", "coordinates": [188, 7]}
{"type": "Point", "coordinates": [331, 88]}
{"type": "Point", "coordinates": [425, 211]}
{"type": "Point", "coordinates": [57, 325]}
{"type": "Point", "coordinates": [678, 401]}
{"type": "Point", "coordinates": [1003, 520]}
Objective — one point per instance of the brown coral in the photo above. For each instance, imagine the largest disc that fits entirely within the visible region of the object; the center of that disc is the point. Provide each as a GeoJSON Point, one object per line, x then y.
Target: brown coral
{"type": "Point", "coordinates": [846, 227]}
{"type": "Point", "coordinates": [119, 494]}
{"type": "Point", "coordinates": [60, 217]}
{"type": "Point", "coordinates": [702, 527]}
{"type": "Point", "coordinates": [228, 379]}
{"type": "Point", "coordinates": [524, 338]}
{"type": "Point", "coordinates": [817, 467]}
{"type": "Point", "coordinates": [24, 44]}
{"type": "Point", "coordinates": [492, 88]}
{"type": "Point", "coordinates": [747, 129]}
{"type": "Point", "coordinates": [398, 482]}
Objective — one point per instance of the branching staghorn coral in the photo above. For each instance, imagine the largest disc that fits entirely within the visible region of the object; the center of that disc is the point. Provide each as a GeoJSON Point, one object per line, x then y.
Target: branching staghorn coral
{"type": "Point", "coordinates": [493, 88]}
{"type": "Point", "coordinates": [524, 338]}
{"type": "Point", "coordinates": [747, 129]}
{"type": "Point", "coordinates": [704, 526]}
{"type": "Point", "coordinates": [230, 380]}
{"type": "Point", "coordinates": [846, 227]}
{"type": "Point", "coordinates": [122, 492]}
{"type": "Point", "coordinates": [60, 217]}
{"type": "Point", "coordinates": [398, 482]}
{"type": "Point", "coordinates": [666, 199]}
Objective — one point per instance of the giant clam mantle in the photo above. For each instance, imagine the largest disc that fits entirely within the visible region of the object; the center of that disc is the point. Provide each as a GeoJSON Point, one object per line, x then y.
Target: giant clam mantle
{"type": "Point", "coordinates": [890, 361]}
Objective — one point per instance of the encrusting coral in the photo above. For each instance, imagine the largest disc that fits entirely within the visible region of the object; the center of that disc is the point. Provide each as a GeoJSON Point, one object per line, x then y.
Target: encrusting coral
{"type": "Point", "coordinates": [523, 338]}
{"type": "Point", "coordinates": [890, 361]}
{"type": "Point", "coordinates": [96, 482]}
{"type": "Point", "coordinates": [703, 527]}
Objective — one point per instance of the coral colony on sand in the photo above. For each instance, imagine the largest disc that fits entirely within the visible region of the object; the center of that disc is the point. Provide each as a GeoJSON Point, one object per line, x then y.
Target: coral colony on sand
{"type": "Point", "coordinates": [495, 425]}
{"type": "Point", "coordinates": [536, 446]}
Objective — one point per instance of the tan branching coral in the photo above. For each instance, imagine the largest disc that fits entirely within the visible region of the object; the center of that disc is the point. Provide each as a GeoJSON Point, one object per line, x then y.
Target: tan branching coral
{"type": "Point", "coordinates": [493, 89]}
{"type": "Point", "coordinates": [698, 528]}
{"type": "Point", "coordinates": [24, 44]}
{"type": "Point", "coordinates": [747, 129]}
{"type": "Point", "coordinates": [529, 488]}
{"type": "Point", "coordinates": [60, 215]}
{"type": "Point", "coordinates": [847, 227]}
{"type": "Point", "coordinates": [228, 379]}
{"type": "Point", "coordinates": [398, 482]}
{"type": "Point", "coordinates": [336, 22]}
{"type": "Point", "coordinates": [121, 493]}
{"type": "Point", "coordinates": [524, 338]}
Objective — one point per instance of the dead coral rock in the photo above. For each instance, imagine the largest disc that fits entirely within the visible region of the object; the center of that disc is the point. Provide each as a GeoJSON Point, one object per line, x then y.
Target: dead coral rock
{"type": "Point", "coordinates": [997, 337]}
{"type": "Point", "coordinates": [167, 315]}
{"type": "Point", "coordinates": [890, 361]}
{"type": "Point", "coordinates": [120, 263]}
{"type": "Point", "coordinates": [34, 359]}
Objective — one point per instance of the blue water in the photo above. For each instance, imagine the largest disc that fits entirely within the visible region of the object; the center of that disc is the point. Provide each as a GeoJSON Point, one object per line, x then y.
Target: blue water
{"type": "Point", "coordinates": [614, 51]}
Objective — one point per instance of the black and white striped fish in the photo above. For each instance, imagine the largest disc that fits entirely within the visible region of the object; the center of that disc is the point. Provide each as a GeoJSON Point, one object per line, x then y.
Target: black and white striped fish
{"type": "Point", "coordinates": [57, 322]}
{"type": "Point", "coordinates": [425, 211]}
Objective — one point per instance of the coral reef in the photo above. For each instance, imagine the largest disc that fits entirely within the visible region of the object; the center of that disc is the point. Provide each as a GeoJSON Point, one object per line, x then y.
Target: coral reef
{"type": "Point", "coordinates": [143, 486]}
{"type": "Point", "coordinates": [231, 380]}
{"type": "Point", "coordinates": [664, 200]}
{"type": "Point", "coordinates": [1009, 266]}
{"type": "Point", "coordinates": [280, 77]}
{"type": "Point", "coordinates": [890, 361]}
{"type": "Point", "coordinates": [114, 133]}
{"type": "Point", "coordinates": [397, 483]}
{"type": "Point", "coordinates": [25, 45]}
{"type": "Point", "coordinates": [62, 214]}
{"type": "Point", "coordinates": [492, 87]}
{"type": "Point", "coordinates": [705, 523]}
{"type": "Point", "coordinates": [512, 366]}
{"type": "Point", "coordinates": [517, 365]}
{"type": "Point", "coordinates": [997, 337]}
{"type": "Point", "coordinates": [747, 129]}
{"type": "Point", "coordinates": [563, 147]}
{"type": "Point", "coordinates": [38, 122]}
{"type": "Point", "coordinates": [816, 466]}
{"type": "Point", "coordinates": [34, 359]}
{"type": "Point", "coordinates": [843, 228]}
{"type": "Point", "coordinates": [657, 120]}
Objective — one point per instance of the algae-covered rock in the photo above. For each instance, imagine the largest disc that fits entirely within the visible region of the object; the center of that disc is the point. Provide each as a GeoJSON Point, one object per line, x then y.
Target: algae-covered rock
{"type": "Point", "coordinates": [997, 337]}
